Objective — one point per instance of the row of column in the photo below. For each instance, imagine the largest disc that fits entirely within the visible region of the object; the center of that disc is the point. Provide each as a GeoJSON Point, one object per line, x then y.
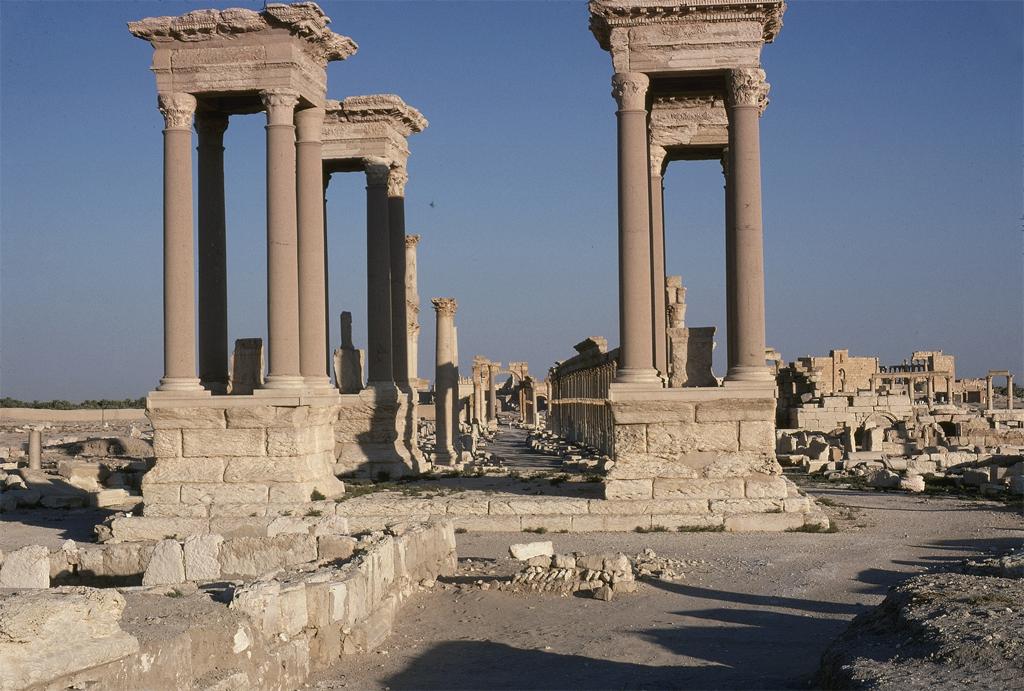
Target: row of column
{"type": "Point", "coordinates": [989, 405]}
{"type": "Point", "coordinates": [641, 232]}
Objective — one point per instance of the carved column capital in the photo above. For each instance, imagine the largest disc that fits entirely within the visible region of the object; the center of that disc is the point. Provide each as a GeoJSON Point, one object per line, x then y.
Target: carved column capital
{"type": "Point", "coordinates": [412, 240]}
{"type": "Point", "coordinates": [629, 89]}
{"type": "Point", "coordinates": [724, 159]}
{"type": "Point", "coordinates": [657, 160]}
{"type": "Point", "coordinates": [747, 88]}
{"type": "Point", "coordinates": [280, 106]}
{"type": "Point", "coordinates": [177, 110]}
{"type": "Point", "coordinates": [396, 181]}
{"type": "Point", "coordinates": [377, 171]}
{"type": "Point", "coordinates": [211, 123]}
{"type": "Point", "coordinates": [444, 306]}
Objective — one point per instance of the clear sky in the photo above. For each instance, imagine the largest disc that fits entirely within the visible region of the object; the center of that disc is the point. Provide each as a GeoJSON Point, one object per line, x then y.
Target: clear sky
{"type": "Point", "coordinates": [891, 157]}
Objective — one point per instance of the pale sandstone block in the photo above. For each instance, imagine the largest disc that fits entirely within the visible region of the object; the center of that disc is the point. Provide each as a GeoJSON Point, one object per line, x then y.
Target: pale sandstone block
{"type": "Point", "coordinates": [477, 506]}
{"type": "Point", "coordinates": [224, 493]}
{"type": "Point", "coordinates": [28, 567]}
{"type": "Point", "coordinates": [177, 510]}
{"type": "Point", "coordinates": [329, 525]}
{"type": "Point", "coordinates": [292, 492]}
{"type": "Point", "coordinates": [588, 524]}
{"type": "Point", "coordinates": [729, 506]}
{"type": "Point", "coordinates": [734, 410]}
{"type": "Point", "coordinates": [528, 550]}
{"type": "Point", "coordinates": [338, 593]}
{"type": "Point", "coordinates": [265, 417]}
{"type": "Point", "coordinates": [626, 523]}
{"type": "Point", "coordinates": [126, 558]}
{"type": "Point", "coordinates": [231, 526]}
{"type": "Point", "coordinates": [226, 442]}
{"type": "Point", "coordinates": [548, 523]}
{"type": "Point", "coordinates": [636, 466]}
{"type": "Point", "coordinates": [675, 522]}
{"type": "Point", "coordinates": [678, 506]}
{"type": "Point", "coordinates": [763, 522]}
{"type": "Point", "coordinates": [486, 524]}
{"type": "Point", "coordinates": [294, 609]}
{"type": "Point", "coordinates": [649, 506]}
{"type": "Point", "coordinates": [766, 487]}
{"type": "Point", "coordinates": [757, 436]}
{"type": "Point", "coordinates": [797, 504]}
{"type": "Point", "coordinates": [741, 464]}
{"type": "Point", "coordinates": [187, 418]}
{"type": "Point", "coordinates": [167, 565]}
{"type": "Point", "coordinates": [292, 442]}
{"type": "Point", "coordinates": [645, 412]}
{"type": "Point", "coordinates": [186, 470]}
{"type": "Point", "coordinates": [166, 442]}
{"type": "Point", "coordinates": [629, 489]}
{"type": "Point", "coordinates": [136, 528]}
{"type": "Point", "coordinates": [335, 547]}
{"type": "Point", "coordinates": [159, 493]}
{"type": "Point", "coordinates": [673, 439]}
{"type": "Point", "coordinates": [288, 525]}
{"type": "Point", "coordinates": [358, 597]}
{"type": "Point", "coordinates": [202, 557]}
{"type": "Point", "coordinates": [261, 602]}
{"type": "Point", "coordinates": [667, 488]}
{"type": "Point", "coordinates": [630, 439]}
{"type": "Point", "coordinates": [283, 469]}
{"type": "Point", "coordinates": [225, 511]}
{"type": "Point", "coordinates": [548, 505]}
{"type": "Point", "coordinates": [252, 556]}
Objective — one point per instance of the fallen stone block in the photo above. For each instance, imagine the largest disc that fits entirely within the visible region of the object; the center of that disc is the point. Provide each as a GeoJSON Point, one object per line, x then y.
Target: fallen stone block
{"type": "Point", "coordinates": [524, 550]}
{"type": "Point", "coordinates": [28, 567]}
{"type": "Point", "coordinates": [167, 565]}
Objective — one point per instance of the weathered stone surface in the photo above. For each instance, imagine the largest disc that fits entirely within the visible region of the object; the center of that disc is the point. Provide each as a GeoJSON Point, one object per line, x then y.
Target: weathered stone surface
{"type": "Point", "coordinates": [254, 556]}
{"type": "Point", "coordinates": [269, 469]}
{"type": "Point", "coordinates": [763, 522]}
{"type": "Point", "coordinates": [729, 506]}
{"type": "Point", "coordinates": [185, 470]}
{"type": "Point", "coordinates": [202, 557]}
{"type": "Point", "coordinates": [167, 442]}
{"type": "Point", "coordinates": [167, 565]}
{"type": "Point", "coordinates": [666, 488]}
{"type": "Point", "coordinates": [266, 417]}
{"type": "Point", "coordinates": [765, 487]}
{"type": "Point", "coordinates": [226, 442]}
{"type": "Point", "coordinates": [225, 493]}
{"type": "Point", "coordinates": [673, 439]}
{"type": "Point", "coordinates": [158, 493]}
{"type": "Point", "coordinates": [548, 505]}
{"type": "Point", "coordinates": [525, 550]}
{"type": "Point", "coordinates": [335, 547]}
{"type": "Point", "coordinates": [637, 466]}
{"type": "Point", "coordinates": [36, 628]}
{"type": "Point", "coordinates": [645, 412]}
{"type": "Point", "coordinates": [28, 567]}
{"type": "Point", "coordinates": [629, 489]}
{"type": "Point", "coordinates": [135, 528]}
{"type": "Point", "coordinates": [187, 418]}
{"type": "Point", "coordinates": [757, 436]}
{"type": "Point", "coordinates": [630, 439]}
{"type": "Point", "coordinates": [730, 410]}
{"type": "Point", "coordinates": [295, 442]}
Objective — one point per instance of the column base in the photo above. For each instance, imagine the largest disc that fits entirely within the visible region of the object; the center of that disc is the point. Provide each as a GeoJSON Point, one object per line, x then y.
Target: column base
{"type": "Point", "coordinates": [647, 375]}
{"type": "Point", "coordinates": [284, 381]}
{"type": "Point", "coordinates": [749, 373]}
{"type": "Point", "coordinates": [191, 384]}
{"type": "Point", "coordinates": [318, 383]}
{"type": "Point", "coordinates": [217, 388]}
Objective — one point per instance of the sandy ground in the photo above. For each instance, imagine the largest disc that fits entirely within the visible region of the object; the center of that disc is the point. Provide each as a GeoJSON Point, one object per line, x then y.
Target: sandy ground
{"type": "Point", "coordinates": [757, 613]}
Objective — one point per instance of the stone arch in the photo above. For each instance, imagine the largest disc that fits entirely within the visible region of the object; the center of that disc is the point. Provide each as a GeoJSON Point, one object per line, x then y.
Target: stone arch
{"type": "Point", "coordinates": [876, 419]}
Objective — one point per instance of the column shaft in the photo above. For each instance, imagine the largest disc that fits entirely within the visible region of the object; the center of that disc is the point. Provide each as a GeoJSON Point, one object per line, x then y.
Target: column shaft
{"type": "Point", "coordinates": [213, 268]}
{"type": "Point", "coordinates": [636, 354]}
{"type": "Point", "coordinates": [309, 174]}
{"type": "Point", "coordinates": [659, 316]}
{"type": "Point", "coordinates": [397, 257]}
{"type": "Point", "coordinates": [492, 395]}
{"type": "Point", "coordinates": [179, 252]}
{"type": "Point", "coordinates": [731, 277]}
{"type": "Point", "coordinates": [412, 306]}
{"type": "Point", "coordinates": [444, 399]}
{"type": "Point", "coordinates": [378, 275]}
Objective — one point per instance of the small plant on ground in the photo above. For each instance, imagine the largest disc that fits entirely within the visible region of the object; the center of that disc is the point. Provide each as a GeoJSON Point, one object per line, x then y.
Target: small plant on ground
{"type": "Point", "coordinates": [175, 593]}
{"type": "Point", "coordinates": [814, 528]}
{"type": "Point", "coordinates": [540, 530]}
{"type": "Point", "coordinates": [316, 495]}
{"type": "Point", "coordinates": [460, 531]}
{"type": "Point", "coordinates": [314, 512]}
{"type": "Point", "coordinates": [827, 501]}
{"type": "Point", "coordinates": [652, 529]}
{"type": "Point", "coordinates": [701, 528]}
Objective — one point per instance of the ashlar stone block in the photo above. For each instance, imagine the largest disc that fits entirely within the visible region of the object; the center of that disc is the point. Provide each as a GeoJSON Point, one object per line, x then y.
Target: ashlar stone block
{"type": "Point", "coordinates": [226, 442]}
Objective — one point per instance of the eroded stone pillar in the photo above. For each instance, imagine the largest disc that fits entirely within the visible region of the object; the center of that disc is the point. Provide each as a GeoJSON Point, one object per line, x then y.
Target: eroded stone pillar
{"type": "Point", "coordinates": [35, 449]}
{"type": "Point", "coordinates": [444, 392]}
{"type": "Point", "coordinates": [989, 404]}
{"type": "Point", "coordinates": [213, 264]}
{"type": "Point", "coordinates": [179, 252]}
{"type": "Point", "coordinates": [311, 248]}
{"type": "Point", "coordinates": [412, 308]}
{"type": "Point", "coordinates": [746, 97]}
{"type": "Point", "coordinates": [456, 395]}
{"type": "Point", "coordinates": [492, 395]}
{"type": "Point", "coordinates": [282, 243]}
{"type": "Point", "coordinates": [1009, 392]}
{"type": "Point", "coordinates": [636, 359]}
{"type": "Point", "coordinates": [397, 255]}
{"type": "Point", "coordinates": [659, 315]}
{"type": "Point", "coordinates": [378, 274]}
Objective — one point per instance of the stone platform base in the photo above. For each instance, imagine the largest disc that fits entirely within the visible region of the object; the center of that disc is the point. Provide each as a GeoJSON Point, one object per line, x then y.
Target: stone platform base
{"type": "Point", "coordinates": [240, 456]}
{"type": "Point", "coordinates": [375, 434]}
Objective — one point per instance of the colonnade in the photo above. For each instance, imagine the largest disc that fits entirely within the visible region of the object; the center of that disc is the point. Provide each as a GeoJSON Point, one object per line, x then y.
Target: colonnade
{"type": "Point", "coordinates": [641, 231]}
{"type": "Point", "coordinates": [446, 382]}
{"type": "Point", "coordinates": [989, 393]}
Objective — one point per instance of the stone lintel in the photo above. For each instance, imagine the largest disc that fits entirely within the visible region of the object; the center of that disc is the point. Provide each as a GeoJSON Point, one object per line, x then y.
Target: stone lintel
{"type": "Point", "coordinates": [260, 397]}
{"type": "Point", "coordinates": [375, 126]}
{"type": "Point", "coordinates": [691, 120]}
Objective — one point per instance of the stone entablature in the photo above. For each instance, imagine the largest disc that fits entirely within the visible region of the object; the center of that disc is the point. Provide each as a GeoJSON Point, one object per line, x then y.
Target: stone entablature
{"type": "Point", "coordinates": [364, 127]}
{"type": "Point", "coordinates": [685, 121]}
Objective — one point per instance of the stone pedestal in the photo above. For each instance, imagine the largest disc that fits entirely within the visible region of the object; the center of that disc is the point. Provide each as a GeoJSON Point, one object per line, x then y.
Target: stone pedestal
{"type": "Point", "coordinates": [348, 360]}
{"type": "Point", "coordinates": [243, 456]}
{"type": "Point", "coordinates": [369, 434]}
{"type": "Point", "coordinates": [690, 354]}
{"type": "Point", "coordinates": [246, 366]}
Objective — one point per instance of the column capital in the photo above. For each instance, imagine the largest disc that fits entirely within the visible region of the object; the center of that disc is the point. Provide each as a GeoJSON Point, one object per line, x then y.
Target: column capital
{"type": "Point", "coordinates": [629, 89]}
{"type": "Point", "coordinates": [746, 87]}
{"type": "Point", "coordinates": [309, 124]}
{"type": "Point", "coordinates": [377, 171]}
{"type": "Point", "coordinates": [724, 159]}
{"type": "Point", "coordinates": [396, 181]}
{"type": "Point", "coordinates": [177, 109]}
{"type": "Point", "coordinates": [412, 240]}
{"type": "Point", "coordinates": [657, 160]}
{"type": "Point", "coordinates": [211, 123]}
{"type": "Point", "coordinates": [280, 106]}
{"type": "Point", "coordinates": [444, 306]}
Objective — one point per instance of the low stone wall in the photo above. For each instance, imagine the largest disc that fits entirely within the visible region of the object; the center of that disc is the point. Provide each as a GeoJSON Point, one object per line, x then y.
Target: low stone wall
{"type": "Point", "coordinates": [241, 456]}
{"type": "Point", "coordinates": [274, 633]}
{"type": "Point", "coordinates": [8, 415]}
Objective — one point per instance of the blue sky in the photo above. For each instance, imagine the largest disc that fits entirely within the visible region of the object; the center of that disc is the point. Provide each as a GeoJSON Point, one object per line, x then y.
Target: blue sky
{"type": "Point", "coordinates": [891, 157]}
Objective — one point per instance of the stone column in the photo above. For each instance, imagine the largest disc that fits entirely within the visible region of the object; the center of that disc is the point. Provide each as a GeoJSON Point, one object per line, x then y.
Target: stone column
{"type": "Point", "coordinates": [492, 394]}
{"type": "Point", "coordinates": [747, 95]}
{"type": "Point", "coordinates": [930, 389]}
{"type": "Point", "coordinates": [282, 243]}
{"type": "Point", "coordinates": [534, 418]}
{"type": "Point", "coordinates": [989, 405]}
{"type": "Point", "coordinates": [444, 451]}
{"type": "Point", "coordinates": [478, 395]}
{"type": "Point", "coordinates": [412, 307]}
{"type": "Point", "coordinates": [309, 174]}
{"type": "Point", "coordinates": [35, 450]}
{"type": "Point", "coordinates": [397, 256]}
{"type": "Point", "coordinates": [730, 268]}
{"type": "Point", "coordinates": [456, 396]}
{"type": "Point", "coordinates": [949, 390]}
{"type": "Point", "coordinates": [659, 315]}
{"type": "Point", "coordinates": [636, 359]}
{"type": "Point", "coordinates": [179, 253]}
{"type": "Point", "coordinates": [213, 264]}
{"type": "Point", "coordinates": [327, 274]}
{"type": "Point", "coordinates": [378, 274]}
{"type": "Point", "coordinates": [1009, 392]}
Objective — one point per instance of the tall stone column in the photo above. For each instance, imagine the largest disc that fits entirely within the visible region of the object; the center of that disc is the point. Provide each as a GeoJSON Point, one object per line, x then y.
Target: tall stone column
{"type": "Point", "coordinates": [636, 348]}
{"type": "Point", "coordinates": [492, 393]}
{"type": "Point", "coordinates": [730, 268]}
{"type": "Point", "coordinates": [179, 252]}
{"type": "Point", "coordinates": [949, 390]}
{"type": "Point", "coordinates": [378, 274]}
{"type": "Point", "coordinates": [213, 263]}
{"type": "Point", "coordinates": [397, 256]}
{"type": "Point", "coordinates": [412, 307]}
{"type": "Point", "coordinates": [282, 243]}
{"type": "Point", "coordinates": [309, 174]}
{"type": "Point", "coordinates": [1009, 392]}
{"type": "Point", "coordinates": [478, 396]}
{"type": "Point", "coordinates": [746, 97]}
{"type": "Point", "coordinates": [456, 397]}
{"type": "Point", "coordinates": [989, 404]}
{"type": "Point", "coordinates": [444, 397]}
{"type": "Point", "coordinates": [659, 315]}
{"type": "Point", "coordinates": [327, 276]}
{"type": "Point", "coordinates": [930, 389]}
